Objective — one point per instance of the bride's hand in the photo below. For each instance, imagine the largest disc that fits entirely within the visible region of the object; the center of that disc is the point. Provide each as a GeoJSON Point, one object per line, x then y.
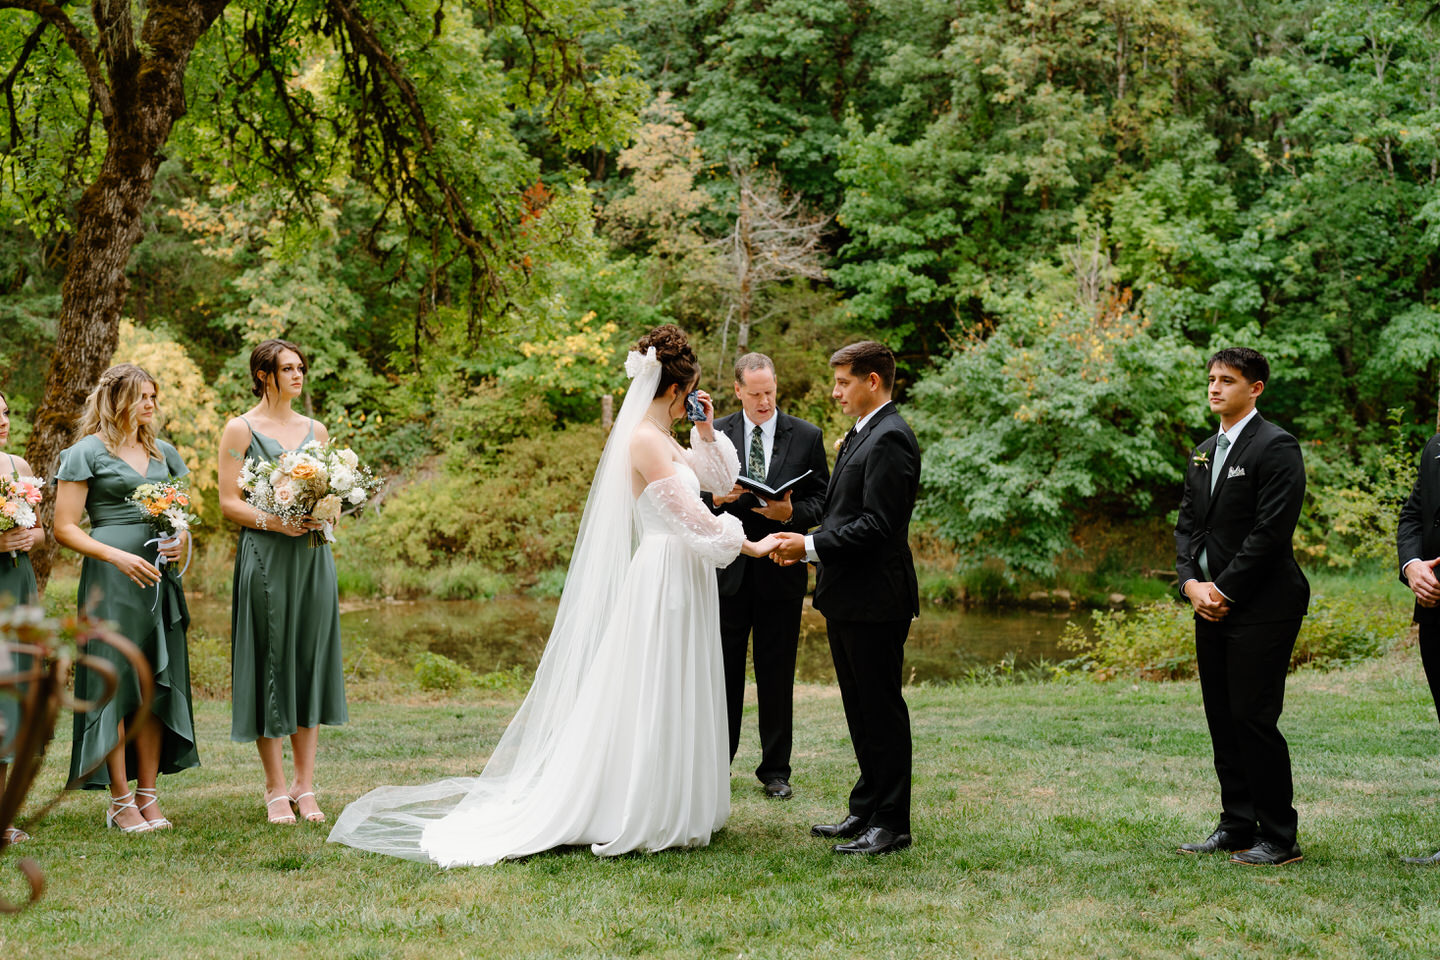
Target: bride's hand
{"type": "Point", "coordinates": [760, 548]}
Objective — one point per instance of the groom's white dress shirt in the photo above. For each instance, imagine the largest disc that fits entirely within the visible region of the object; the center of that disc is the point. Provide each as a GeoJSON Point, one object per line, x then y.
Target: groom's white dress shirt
{"type": "Point", "coordinates": [810, 553]}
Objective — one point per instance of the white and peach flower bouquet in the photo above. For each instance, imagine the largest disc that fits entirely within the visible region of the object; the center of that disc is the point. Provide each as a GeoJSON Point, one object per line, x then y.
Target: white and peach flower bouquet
{"type": "Point", "coordinates": [19, 496]}
{"type": "Point", "coordinates": [319, 481]}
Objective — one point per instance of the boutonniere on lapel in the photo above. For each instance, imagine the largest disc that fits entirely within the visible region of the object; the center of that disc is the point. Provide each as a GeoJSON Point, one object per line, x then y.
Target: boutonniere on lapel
{"type": "Point", "coordinates": [838, 444]}
{"type": "Point", "coordinates": [1201, 459]}
{"type": "Point", "coordinates": [1234, 472]}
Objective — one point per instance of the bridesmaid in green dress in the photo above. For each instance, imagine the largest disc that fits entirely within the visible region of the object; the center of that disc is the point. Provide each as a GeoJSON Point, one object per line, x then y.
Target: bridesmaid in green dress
{"type": "Point", "coordinates": [120, 582]}
{"type": "Point", "coordinates": [17, 585]}
{"type": "Point", "coordinates": [286, 673]}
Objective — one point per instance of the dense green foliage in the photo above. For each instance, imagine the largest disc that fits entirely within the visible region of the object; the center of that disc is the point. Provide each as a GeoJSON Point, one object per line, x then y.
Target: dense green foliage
{"type": "Point", "coordinates": [1053, 211]}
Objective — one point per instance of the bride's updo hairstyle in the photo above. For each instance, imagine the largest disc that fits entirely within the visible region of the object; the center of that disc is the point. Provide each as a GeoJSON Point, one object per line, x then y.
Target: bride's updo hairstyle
{"type": "Point", "coordinates": [677, 361]}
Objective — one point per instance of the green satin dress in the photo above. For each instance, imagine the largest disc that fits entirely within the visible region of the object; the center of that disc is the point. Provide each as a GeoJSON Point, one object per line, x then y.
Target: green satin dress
{"type": "Point", "coordinates": [153, 618]}
{"type": "Point", "coordinates": [17, 585]}
{"type": "Point", "coordinates": [285, 661]}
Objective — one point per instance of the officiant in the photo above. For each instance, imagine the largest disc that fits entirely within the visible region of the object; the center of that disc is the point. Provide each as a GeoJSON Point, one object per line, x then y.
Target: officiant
{"type": "Point", "coordinates": [758, 598]}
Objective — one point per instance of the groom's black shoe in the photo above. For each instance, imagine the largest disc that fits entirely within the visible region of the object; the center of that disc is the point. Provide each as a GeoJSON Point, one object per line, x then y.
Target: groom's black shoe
{"type": "Point", "coordinates": [874, 840]}
{"type": "Point", "coordinates": [778, 789]}
{"type": "Point", "coordinates": [1268, 853]}
{"type": "Point", "coordinates": [851, 826]}
{"type": "Point", "coordinates": [1221, 841]}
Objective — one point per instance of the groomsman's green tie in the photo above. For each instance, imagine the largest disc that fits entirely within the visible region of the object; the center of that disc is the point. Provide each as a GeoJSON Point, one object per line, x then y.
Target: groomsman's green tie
{"type": "Point", "coordinates": [1222, 443]}
{"type": "Point", "coordinates": [757, 455]}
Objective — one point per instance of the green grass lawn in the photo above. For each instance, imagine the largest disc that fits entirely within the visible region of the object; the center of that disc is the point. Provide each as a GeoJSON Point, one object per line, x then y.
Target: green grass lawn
{"type": "Point", "coordinates": [1045, 820]}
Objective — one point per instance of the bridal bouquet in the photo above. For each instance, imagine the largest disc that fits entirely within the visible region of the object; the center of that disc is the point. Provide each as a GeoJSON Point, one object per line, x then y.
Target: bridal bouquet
{"type": "Point", "coordinates": [19, 496]}
{"type": "Point", "coordinates": [317, 481]}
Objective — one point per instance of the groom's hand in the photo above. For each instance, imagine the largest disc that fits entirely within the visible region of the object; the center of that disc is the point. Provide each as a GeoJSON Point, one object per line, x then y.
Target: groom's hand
{"type": "Point", "coordinates": [778, 510]}
{"type": "Point", "coordinates": [791, 548]}
{"type": "Point", "coordinates": [1207, 601]}
{"type": "Point", "coordinates": [1421, 576]}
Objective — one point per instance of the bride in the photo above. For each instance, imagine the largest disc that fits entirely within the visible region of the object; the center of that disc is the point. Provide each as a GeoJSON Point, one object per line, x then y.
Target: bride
{"type": "Point", "coordinates": [621, 742]}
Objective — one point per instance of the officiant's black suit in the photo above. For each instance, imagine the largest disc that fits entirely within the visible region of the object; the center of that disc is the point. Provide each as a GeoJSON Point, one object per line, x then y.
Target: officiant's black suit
{"type": "Point", "coordinates": [866, 588]}
{"type": "Point", "coordinates": [761, 598]}
{"type": "Point", "coordinates": [1417, 537]}
{"type": "Point", "coordinates": [1246, 526]}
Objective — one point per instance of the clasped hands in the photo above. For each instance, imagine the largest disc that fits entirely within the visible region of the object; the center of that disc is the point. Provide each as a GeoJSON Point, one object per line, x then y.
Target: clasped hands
{"type": "Point", "coordinates": [21, 539]}
{"type": "Point", "coordinates": [783, 548]}
{"type": "Point", "coordinates": [1421, 577]}
{"type": "Point", "coordinates": [1207, 601]}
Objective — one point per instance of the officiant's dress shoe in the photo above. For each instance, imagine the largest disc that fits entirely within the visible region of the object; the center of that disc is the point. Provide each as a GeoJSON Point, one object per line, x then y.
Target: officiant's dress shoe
{"type": "Point", "coordinates": [778, 789]}
{"type": "Point", "coordinates": [851, 826]}
{"type": "Point", "coordinates": [1268, 853]}
{"type": "Point", "coordinates": [1221, 841]}
{"type": "Point", "coordinates": [874, 840]}
{"type": "Point", "coordinates": [1430, 861]}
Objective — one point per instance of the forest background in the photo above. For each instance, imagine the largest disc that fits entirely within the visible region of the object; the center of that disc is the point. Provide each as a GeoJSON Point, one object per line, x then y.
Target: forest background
{"type": "Point", "coordinates": [1052, 210]}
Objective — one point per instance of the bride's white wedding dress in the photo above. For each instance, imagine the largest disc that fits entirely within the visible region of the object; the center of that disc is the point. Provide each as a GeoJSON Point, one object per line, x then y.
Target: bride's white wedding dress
{"type": "Point", "coordinates": [621, 743]}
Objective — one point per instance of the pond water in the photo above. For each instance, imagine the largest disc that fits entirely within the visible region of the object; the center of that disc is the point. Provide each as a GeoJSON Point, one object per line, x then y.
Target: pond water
{"type": "Point", "coordinates": [500, 634]}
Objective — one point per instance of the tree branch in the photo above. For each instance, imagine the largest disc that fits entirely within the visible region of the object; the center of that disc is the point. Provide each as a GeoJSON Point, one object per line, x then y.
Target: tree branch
{"type": "Point", "coordinates": [53, 15]}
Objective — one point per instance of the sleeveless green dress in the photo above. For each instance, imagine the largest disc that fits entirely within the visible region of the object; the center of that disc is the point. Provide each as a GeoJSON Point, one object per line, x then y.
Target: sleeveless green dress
{"type": "Point", "coordinates": [285, 661]}
{"type": "Point", "coordinates": [17, 585]}
{"type": "Point", "coordinates": [153, 618]}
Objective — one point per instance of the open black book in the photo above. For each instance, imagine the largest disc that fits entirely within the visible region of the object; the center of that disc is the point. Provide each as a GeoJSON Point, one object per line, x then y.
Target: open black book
{"type": "Point", "coordinates": [762, 489]}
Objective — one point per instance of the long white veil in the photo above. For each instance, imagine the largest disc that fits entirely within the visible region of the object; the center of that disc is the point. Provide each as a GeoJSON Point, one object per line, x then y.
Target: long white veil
{"type": "Point", "coordinates": [392, 820]}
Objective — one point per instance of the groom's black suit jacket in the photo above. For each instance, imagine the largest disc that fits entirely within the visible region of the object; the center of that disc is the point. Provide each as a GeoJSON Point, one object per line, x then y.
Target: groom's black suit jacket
{"type": "Point", "coordinates": [798, 446]}
{"type": "Point", "coordinates": [865, 571]}
{"type": "Point", "coordinates": [1246, 524]}
{"type": "Point", "coordinates": [1418, 533]}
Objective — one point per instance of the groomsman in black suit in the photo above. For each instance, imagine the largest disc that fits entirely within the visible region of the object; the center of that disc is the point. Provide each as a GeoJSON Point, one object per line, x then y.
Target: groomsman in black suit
{"type": "Point", "coordinates": [1417, 539]}
{"type": "Point", "coordinates": [867, 590]}
{"type": "Point", "coordinates": [1243, 492]}
{"type": "Point", "coordinates": [757, 597]}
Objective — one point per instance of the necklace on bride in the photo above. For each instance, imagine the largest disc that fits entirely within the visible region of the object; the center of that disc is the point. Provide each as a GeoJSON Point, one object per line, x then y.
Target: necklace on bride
{"type": "Point", "coordinates": [664, 428]}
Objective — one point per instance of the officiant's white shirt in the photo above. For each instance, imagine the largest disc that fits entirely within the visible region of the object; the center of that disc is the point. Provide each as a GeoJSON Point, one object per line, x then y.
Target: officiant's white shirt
{"type": "Point", "coordinates": [810, 553]}
{"type": "Point", "coordinates": [767, 440]}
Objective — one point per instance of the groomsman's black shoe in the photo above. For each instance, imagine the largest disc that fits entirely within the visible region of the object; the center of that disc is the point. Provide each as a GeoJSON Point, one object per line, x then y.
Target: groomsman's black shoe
{"type": "Point", "coordinates": [1218, 842]}
{"type": "Point", "coordinates": [1430, 861]}
{"type": "Point", "coordinates": [1268, 853]}
{"type": "Point", "coordinates": [778, 789]}
{"type": "Point", "coordinates": [851, 826]}
{"type": "Point", "coordinates": [875, 840]}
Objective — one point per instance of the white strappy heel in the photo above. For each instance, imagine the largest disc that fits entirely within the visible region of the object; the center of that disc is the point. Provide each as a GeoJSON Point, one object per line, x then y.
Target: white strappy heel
{"type": "Point", "coordinates": [317, 817]}
{"type": "Point", "coordinates": [120, 804]}
{"type": "Point", "coordinates": [287, 817]}
{"type": "Point", "coordinates": [159, 823]}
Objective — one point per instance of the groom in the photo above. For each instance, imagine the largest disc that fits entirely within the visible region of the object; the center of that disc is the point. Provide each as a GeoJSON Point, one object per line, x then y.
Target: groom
{"type": "Point", "coordinates": [866, 588]}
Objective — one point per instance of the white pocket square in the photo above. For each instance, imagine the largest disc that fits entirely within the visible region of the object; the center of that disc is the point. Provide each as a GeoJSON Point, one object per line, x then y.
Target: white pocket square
{"type": "Point", "coordinates": [1234, 472]}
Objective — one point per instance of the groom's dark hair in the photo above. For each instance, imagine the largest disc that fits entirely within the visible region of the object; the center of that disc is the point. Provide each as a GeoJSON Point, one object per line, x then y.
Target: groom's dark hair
{"type": "Point", "coordinates": [865, 358]}
{"type": "Point", "coordinates": [1250, 363]}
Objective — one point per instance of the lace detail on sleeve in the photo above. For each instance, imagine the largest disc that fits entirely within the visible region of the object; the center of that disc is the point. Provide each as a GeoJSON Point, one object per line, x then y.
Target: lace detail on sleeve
{"type": "Point", "coordinates": [716, 465]}
{"type": "Point", "coordinates": [716, 539]}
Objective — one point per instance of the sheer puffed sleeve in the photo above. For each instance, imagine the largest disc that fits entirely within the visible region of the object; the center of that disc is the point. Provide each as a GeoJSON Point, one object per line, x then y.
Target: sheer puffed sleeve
{"type": "Point", "coordinates": [715, 538]}
{"type": "Point", "coordinates": [716, 465]}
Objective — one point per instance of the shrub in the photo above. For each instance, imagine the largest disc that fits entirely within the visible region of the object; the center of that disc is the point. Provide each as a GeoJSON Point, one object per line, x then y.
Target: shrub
{"type": "Point", "coordinates": [435, 671]}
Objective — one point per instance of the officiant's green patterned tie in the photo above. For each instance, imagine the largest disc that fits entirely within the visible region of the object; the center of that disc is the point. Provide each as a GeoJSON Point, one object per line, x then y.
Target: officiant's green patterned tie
{"type": "Point", "coordinates": [756, 466]}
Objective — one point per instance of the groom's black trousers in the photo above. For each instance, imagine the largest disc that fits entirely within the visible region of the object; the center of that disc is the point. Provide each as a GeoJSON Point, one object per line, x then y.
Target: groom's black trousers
{"type": "Point", "coordinates": [869, 658]}
{"type": "Point", "coordinates": [1242, 681]}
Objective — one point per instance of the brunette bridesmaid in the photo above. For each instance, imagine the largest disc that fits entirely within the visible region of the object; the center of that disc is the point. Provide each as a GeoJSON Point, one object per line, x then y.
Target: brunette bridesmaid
{"type": "Point", "coordinates": [120, 581]}
{"type": "Point", "coordinates": [17, 585]}
{"type": "Point", "coordinates": [286, 672]}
